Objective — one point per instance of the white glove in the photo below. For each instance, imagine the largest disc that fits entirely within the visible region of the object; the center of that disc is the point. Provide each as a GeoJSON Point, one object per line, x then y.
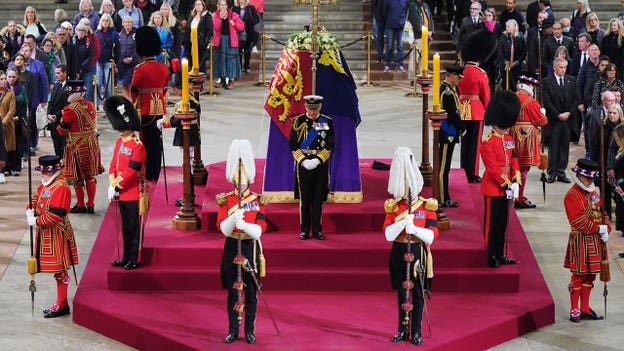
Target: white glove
{"type": "Point", "coordinates": [238, 215]}
{"type": "Point", "coordinates": [515, 188]}
{"type": "Point", "coordinates": [394, 229]}
{"type": "Point", "coordinates": [253, 230]}
{"type": "Point", "coordinates": [604, 237]}
{"type": "Point", "coordinates": [603, 229]}
{"type": "Point", "coordinates": [307, 164]}
{"type": "Point", "coordinates": [409, 219]}
{"type": "Point", "coordinates": [112, 193]}
{"type": "Point", "coordinates": [543, 111]}
{"type": "Point", "coordinates": [159, 123]}
{"type": "Point", "coordinates": [424, 234]}
{"type": "Point", "coordinates": [410, 228]}
{"type": "Point", "coordinates": [315, 162]}
{"type": "Point", "coordinates": [227, 226]}
{"type": "Point", "coordinates": [30, 217]}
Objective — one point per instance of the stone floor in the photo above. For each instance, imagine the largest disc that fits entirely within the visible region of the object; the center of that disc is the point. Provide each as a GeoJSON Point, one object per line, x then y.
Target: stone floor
{"type": "Point", "coordinates": [388, 120]}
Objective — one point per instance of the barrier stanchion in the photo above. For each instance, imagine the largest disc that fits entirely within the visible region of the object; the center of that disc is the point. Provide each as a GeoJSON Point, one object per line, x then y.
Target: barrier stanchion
{"type": "Point", "coordinates": [262, 82]}
{"type": "Point", "coordinates": [368, 83]}
{"type": "Point", "coordinates": [211, 91]}
{"type": "Point", "coordinates": [414, 92]}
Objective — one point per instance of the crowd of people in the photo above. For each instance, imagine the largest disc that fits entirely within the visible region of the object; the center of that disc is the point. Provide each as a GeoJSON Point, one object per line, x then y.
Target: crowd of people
{"type": "Point", "coordinates": [100, 44]}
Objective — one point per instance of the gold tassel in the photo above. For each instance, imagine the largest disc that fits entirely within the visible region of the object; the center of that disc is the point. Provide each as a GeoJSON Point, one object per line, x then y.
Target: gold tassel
{"type": "Point", "coordinates": [143, 203]}
{"type": "Point", "coordinates": [32, 265]}
{"type": "Point", "coordinates": [262, 268]}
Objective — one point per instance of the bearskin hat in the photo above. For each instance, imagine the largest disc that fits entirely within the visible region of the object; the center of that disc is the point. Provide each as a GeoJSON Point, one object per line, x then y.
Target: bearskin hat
{"type": "Point", "coordinates": [121, 114]}
{"type": "Point", "coordinates": [502, 110]}
{"type": "Point", "coordinates": [478, 46]}
{"type": "Point", "coordinates": [147, 41]}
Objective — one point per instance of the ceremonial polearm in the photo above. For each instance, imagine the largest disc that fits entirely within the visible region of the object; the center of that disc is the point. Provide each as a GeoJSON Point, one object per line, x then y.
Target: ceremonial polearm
{"type": "Point", "coordinates": [605, 273]}
{"type": "Point", "coordinates": [540, 96]}
{"type": "Point", "coordinates": [315, 28]}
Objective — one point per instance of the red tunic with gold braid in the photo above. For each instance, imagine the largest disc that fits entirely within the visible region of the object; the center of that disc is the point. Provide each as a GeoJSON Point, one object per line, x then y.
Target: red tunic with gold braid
{"type": "Point", "coordinates": [526, 133]}
{"type": "Point", "coordinates": [55, 246]}
{"type": "Point", "coordinates": [424, 211]}
{"type": "Point", "coordinates": [149, 82]}
{"type": "Point", "coordinates": [501, 165]}
{"type": "Point", "coordinates": [250, 202]}
{"type": "Point", "coordinates": [82, 156]}
{"type": "Point", "coordinates": [474, 90]}
{"type": "Point", "coordinates": [125, 167]}
{"type": "Point", "coordinates": [584, 211]}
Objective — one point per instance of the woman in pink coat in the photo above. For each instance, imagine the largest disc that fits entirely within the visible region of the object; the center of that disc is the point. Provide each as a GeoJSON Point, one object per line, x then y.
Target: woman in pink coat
{"type": "Point", "coordinates": [226, 61]}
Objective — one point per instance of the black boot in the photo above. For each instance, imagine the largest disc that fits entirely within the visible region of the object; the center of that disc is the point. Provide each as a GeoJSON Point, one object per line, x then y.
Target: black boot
{"type": "Point", "coordinates": [400, 336]}
{"type": "Point", "coordinates": [417, 338]}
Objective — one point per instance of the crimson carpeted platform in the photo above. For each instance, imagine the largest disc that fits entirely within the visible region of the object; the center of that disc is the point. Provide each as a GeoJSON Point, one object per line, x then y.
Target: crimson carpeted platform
{"type": "Point", "coordinates": [324, 295]}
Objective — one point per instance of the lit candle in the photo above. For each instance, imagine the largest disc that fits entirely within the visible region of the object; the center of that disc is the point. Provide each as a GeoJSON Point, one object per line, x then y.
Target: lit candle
{"type": "Point", "coordinates": [436, 82]}
{"type": "Point", "coordinates": [195, 48]}
{"type": "Point", "coordinates": [185, 86]}
{"type": "Point", "coordinates": [424, 50]}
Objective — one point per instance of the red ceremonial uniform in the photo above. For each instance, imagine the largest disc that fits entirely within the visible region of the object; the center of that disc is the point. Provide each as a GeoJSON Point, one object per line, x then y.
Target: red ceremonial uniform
{"type": "Point", "coordinates": [474, 96]}
{"type": "Point", "coordinates": [526, 133]}
{"type": "Point", "coordinates": [501, 168]}
{"type": "Point", "coordinates": [253, 205]}
{"type": "Point", "coordinates": [82, 156]}
{"type": "Point", "coordinates": [55, 246]}
{"type": "Point", "coordinates": [149, 82]}
{"type": "Point", "coordinates": [125, 167]}
{"type": "Point", "coordinates": [584, 215]}
{"type": "Point", "coordinates": [424, 211]}
{"type": "Point", "coordinates": [498, 153]}
{"type": "Point", "coordinates": [474, 91]}
{"type": "Point", "coordinates": [584, 250]}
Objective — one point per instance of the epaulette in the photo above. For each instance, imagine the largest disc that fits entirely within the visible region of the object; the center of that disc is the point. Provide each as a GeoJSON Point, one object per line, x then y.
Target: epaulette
{"type": "Point", "coordinates": [221, 198]}
{"type": "Point", "coordinates": [391, 204]}
{"type": "Point", "coordinates": [431, 204]}
{"type": "Point", "coordinates": [263, 199]}
{"type": "Point", "coordinates": [326, 116]}
{"type": "Point", "coordinates": [487, 137]}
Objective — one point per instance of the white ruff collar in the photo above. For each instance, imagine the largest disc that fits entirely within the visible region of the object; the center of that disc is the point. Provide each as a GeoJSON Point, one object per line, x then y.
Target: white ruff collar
{"type": "Point", "coordinates": [49, 181]}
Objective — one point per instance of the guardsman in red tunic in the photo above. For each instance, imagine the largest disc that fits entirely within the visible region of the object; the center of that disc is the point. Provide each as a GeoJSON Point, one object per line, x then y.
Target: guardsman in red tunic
{"type": "Point", "coordinates": [55, 246]}
{"type": "Point", "coordinates": [411, 225]}
{"type": "Point", "coordinates": [474, 90]}
{"type": "Point", "coordinates": [82, 154]}
{"type": "Point", "coordinates": [589, 231]}
{"type": "Point", "coordinates": [501, 179]}
{"type": "Point", "coordinates": [148, 89]}
{"type": "Point", "coordinates": [526, 133]}
{"type": "Point", "coordinates": [126, 175]}
{"type": "Point", "coordinates": [241, 219]}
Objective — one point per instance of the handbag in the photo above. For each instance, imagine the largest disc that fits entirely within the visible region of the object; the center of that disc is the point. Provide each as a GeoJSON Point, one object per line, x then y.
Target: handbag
{"type": "Point", "coordinates": [41, 117]}
{"type": "Point", "coordinates": [242, 36]}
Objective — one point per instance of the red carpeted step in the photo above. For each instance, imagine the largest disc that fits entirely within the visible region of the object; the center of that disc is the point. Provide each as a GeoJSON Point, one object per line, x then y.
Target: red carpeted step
{"type": "Point", "coordinates": [504, 279]}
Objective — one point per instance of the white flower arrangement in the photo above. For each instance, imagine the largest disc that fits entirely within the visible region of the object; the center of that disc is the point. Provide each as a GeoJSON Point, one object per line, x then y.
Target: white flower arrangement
{"type": "Point", "coordinates": [303, 41]}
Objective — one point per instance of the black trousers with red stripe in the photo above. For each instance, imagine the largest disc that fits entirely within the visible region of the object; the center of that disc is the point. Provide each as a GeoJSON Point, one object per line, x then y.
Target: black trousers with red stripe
{"type": "Point", "coordinates": [496, 210]}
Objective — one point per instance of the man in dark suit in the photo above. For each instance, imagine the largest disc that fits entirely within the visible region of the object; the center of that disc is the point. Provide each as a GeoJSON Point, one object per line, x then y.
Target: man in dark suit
{"type": "Point", "coordinates": [551, 44]}
{"type": "Point", "coordinates": [58, 101]}
{"type": "Point", "coordinates": [469, 24]}
{"type": "Point", "coordinates": [63, 33]}
{"type": "Point", "coordinates": [581, 54]}
{"type": "Point", "coordinates": [561, 100]}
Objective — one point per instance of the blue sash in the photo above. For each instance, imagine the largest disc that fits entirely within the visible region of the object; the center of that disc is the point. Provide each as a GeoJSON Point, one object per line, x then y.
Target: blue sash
{"type": "Point", "coordinates": [312, 134]}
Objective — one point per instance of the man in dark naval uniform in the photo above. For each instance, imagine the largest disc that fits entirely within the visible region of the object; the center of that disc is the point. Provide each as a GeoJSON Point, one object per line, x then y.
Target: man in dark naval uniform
{"type": "Point", "coordinates": [148, 89]}
{"type": "Point", "coordinates": [242, 220]}
{"type": "Point", "coordinates": [311, 143]}
{"type": "Point", "coordinates": [450, 130]}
